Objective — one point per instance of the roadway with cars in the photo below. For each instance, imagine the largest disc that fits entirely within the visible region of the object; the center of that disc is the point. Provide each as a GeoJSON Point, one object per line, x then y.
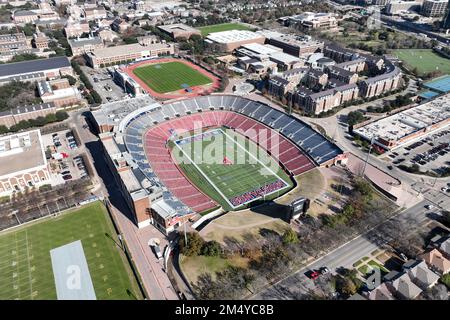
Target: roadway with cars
{"type": "Point", "coordinates": [343, 256]}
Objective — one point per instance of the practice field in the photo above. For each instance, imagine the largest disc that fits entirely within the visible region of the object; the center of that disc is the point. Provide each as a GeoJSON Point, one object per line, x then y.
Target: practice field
{"type": "Point", "coordinates": [170, 76]}
{"type": "Point", "coordinates": [26, 265]}
{"type": "Point", "coordinates": [230, 169]}
{"type": "Point", "coordinates": [425, 60]}
{"type": "Point", "coordinates": [222, 27]}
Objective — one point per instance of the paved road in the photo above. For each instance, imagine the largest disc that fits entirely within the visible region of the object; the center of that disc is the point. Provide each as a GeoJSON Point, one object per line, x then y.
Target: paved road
{"type": "Point", "coordinates": [343, 256]}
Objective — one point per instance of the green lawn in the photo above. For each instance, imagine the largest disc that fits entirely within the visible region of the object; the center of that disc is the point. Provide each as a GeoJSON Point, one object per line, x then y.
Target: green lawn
{"type": "Point", "coordinates": [25, 263]}
{"type": "Point", "coordinates": [248, 169]}
{"type": "Point", "coordinates": [170, 76]}
{"type": "Point", "coordinates": [425, 60]}
{"type": "Point", "coordinates": [222, 27]}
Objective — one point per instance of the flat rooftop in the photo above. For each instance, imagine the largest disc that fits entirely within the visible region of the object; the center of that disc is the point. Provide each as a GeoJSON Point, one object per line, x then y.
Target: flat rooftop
{"type": "Point", "coordinates": [126, 49]}
{"type": "Point", "coordinates": [39, 65]}
{"type": "Point", "coordinates": [177, 27]}
{"type": "Point", "coordinates": [264, 49]}
{"type": "Point", "coordinates": [233, 36]}
{"type": "Point", "coordinates": [21, 151]}
{"type": "Point", "coordinates": [113, 112]}
{"type": "Point", "coordinates": [404, 123]}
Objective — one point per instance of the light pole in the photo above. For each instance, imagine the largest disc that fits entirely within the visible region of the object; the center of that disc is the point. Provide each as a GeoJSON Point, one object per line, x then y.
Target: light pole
{"type": "Point", "coordinates": [185, 235]}
{"type": "Point", "coordinates": [368, 154]}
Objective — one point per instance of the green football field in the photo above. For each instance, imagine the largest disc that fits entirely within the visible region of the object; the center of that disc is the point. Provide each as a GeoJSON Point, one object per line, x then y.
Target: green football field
{"type": "Point", "coordinates": [26, 267]}
{"type": "Point", "coordinates": [170, 76]}
{"type": "Point", "coordinates": [226, 166]}
{"type": "Point", "coordinates": [425, 60]}
{"type": "Point", "coordinates": [222, 27]}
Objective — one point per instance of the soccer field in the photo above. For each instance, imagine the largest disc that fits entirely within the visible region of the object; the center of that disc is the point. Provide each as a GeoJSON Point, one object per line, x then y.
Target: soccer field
{"type": "Point", "coordinates": [230, 169]}
{"type": "Point", "coordinates": [170, 76]}
{"type": "Point", "coordinates": [222, 27]}
{"type": "Point", "coordinates": [425, 60]}
{"type": "Point", "coordinates": [26, 266]}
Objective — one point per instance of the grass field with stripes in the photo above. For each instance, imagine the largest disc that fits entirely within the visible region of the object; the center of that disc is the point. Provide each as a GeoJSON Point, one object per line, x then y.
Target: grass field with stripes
{"type": "Point", "coordinates": [25, 262]}
{"type": "Point", "coordinates": [230, 169]}
{"type": "Point", "coordinates": [170, 76]}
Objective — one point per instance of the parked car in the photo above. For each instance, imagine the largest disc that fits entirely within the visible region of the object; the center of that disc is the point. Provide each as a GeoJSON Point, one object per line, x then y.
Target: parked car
{"type": "Point", "coordinates": [314, 275]}
{"type": "Point", "coordinates": [158, 252]}
{"type": "Point", "coordinates": [67, 177]}
{"type": "Point", "coordinates": [324, 270]}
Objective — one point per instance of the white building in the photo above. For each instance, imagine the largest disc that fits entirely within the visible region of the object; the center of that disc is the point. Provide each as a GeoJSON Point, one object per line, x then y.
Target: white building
{"type": "Point", "coordinates": [22, 162]}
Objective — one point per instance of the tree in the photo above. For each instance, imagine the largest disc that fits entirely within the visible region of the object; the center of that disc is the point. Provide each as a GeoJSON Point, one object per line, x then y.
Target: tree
{"type": "Point", "coordinates": [72, 80]}
{"type": "Point", "coordinates": [194, 244]}
{"type": "Point", "coordinates": [211, 248]}
{"type": "Point", "coordinates": [446, 217]}
{"type": "Point", "coordinates": [355, 117]}
{"type": "Point", "coordinates": [289, 236]}
{"type": "Point", "coordinates": [345, 286]}
{"type": "Point", "coordinates": [96, 97]}
{"type": "Point", "coordinates": [445, 279]}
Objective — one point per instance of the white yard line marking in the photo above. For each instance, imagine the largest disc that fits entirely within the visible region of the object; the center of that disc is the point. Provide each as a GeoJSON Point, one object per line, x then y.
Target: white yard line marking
{"type": "Point", "coordinates": [206, 177]}
{"type": "Point", "coordinates": [286, 185]}
{"type": "Point", "coordinates": [29, 267]}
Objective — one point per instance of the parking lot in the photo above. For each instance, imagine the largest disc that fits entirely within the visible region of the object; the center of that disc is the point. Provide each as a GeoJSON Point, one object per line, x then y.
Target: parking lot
{"type": "Point", "coordinates": [65, 160]}
{"type": "Point", "coordinates": [430, 153]}
{"type": "Point", "coordinates": [104, 84]}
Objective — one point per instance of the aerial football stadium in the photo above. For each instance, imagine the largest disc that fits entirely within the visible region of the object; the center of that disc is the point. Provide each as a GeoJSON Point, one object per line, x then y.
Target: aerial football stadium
{"type": "Point", "coordinates": [195, 155]}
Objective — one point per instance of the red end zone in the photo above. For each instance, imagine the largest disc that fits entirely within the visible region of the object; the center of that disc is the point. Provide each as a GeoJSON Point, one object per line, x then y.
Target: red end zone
{"type": "Point", "coordinates": [196, 90]}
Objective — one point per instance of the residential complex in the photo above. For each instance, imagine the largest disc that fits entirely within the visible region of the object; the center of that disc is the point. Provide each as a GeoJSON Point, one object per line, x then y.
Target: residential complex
{"type": "Point", "coordinates": [333, 81]}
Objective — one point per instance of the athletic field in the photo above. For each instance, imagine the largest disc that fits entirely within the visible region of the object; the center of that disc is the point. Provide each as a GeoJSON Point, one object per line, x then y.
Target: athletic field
{"type": "Point", "coordinates": [170, 76]}
{"type": "Point", "coordinates": [230, 169]}
{"type": "Point", "coordinates": [222, 27]}
{"type": "Point", "coordinates": [425, 60]}
{"type": "Point", "coordinates": [26, 266]}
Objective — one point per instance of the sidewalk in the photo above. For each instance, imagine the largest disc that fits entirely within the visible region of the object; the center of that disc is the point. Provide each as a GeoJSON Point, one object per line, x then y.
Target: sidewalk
{"type": "Point", "coordinates": [154, 279]}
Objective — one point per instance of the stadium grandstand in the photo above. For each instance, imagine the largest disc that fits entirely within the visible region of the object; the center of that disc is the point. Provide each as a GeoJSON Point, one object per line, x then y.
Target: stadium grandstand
{"type": "Point", "coordinates": [141, 140]}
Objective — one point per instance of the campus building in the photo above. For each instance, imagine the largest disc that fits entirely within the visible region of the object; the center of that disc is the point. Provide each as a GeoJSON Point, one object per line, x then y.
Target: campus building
{"type": "Point", "coordinates": [127, 53]}
{"type": "Point", "coordinates": [12, 117]}
{"type": "Point", "coordinates": [40, 41]}
{"type": "Point", "coordinates": [406, 126]}
{"type": "Point", "coordinates": [434, 8]}
{"type": "Point", "coordinates": [312, 20]}
{"type": "Point", "coordinates": [59, 92]}
{"type": "Point", "coordinates": [13, 42]}
{"type": "Point", "coordinates": [227, 41]}
{"type": "Point", "coordinates": [35, 70]}
{"type": "Point", "coordinates": [82, 46]}
{"type": "Point", "coordinates": [22, 162]}
{"type": "Point", "coordinates": [395, 7]}
{"type": "Point", "coordinates": [179, 30]}
{"type": "Point", "coordinates": [294, 45]}
{"type": "Point", "coordinates": [95, 13]}
{"type": "Point", "coordinates": [76, 29]}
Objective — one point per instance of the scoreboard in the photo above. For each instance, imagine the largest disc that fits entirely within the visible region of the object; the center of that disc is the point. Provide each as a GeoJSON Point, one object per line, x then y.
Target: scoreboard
{"type": "Point", "coordinates": [299, 207]}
